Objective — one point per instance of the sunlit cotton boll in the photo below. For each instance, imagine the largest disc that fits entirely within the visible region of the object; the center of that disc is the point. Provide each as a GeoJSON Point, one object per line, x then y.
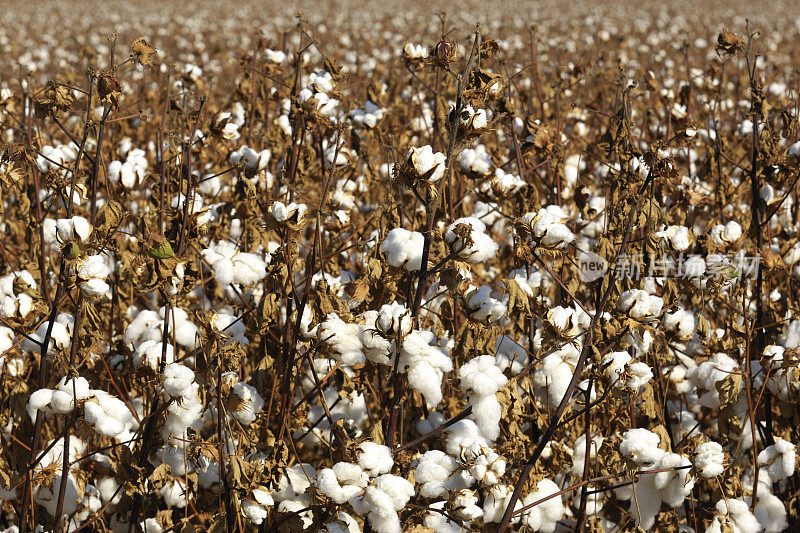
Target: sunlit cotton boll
{"type": "Point", "coordinates": [92, 273]}
{"type": "Point", "coordinates": [403, 249]}
{"type": "Point", "coordinates": [468, 238]}
{"type": "Point", "coordinates": [426, 163]}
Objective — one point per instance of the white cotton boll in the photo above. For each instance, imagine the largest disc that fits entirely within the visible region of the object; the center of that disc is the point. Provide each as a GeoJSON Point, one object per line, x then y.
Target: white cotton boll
{"type": "Point", "coordinates": [254, 512]}
{"type": "Point", "coordinates": [375, 459]}
{"type": "Point", "coordinates": [342, 482]}
{"type": "Point", "coordinates": [403, 249]}
{"type": "Point", "coordinates": [710, 459]}
{"type": "Point", "coordinates": [467, 236]}
{"type": "Point", "coordinates": [579, 452]}
{"type": "Point", "coordinates": [427, 163]}
{"type": "Point", "coordinates": [96, 416]}
{"type": "Point", "coordinates": [483, 307]}
{"type": "Point", "coordinates": [641, 446]}
{"type": "Point", "coordinates": [544, 516]}
{"type": "Point", "coordinates": [174, 494]}
{"type": "Point", "coordinates": [682, 322]}
{"type": "Point", "coordinates": [779, 459]}
{"type": "Point", "coordinates": [397, 488]}
{"type": "Point", "coordinates": [432, 472]}
{"type": "Point", "coordinates": [737, 515]}
{"type": "Point", "coordinates": [723, 235]}
{"type": "Point", "coordinates": [551, 379]}
{"type": "Point", "coordinates": [771, 513]}
{"type": "Point", "coordinates": [483, 379]}
{"type": "Point", "coordinates": [640, 374]}
{"type": "Point", "coordinates": [639, 304]}
{"type": "Point", "coordinates": [614, 364]}
{"type": "Point", "coordinates": [510, 355]}
{"type": "Point", "coordinates": [486, 466]}
{"type": "Point", "coordinates": [547, 229]}
{"type": "Point", "coordinates": [343, 338]}
{"type": "Point", "coordinates": [678, 237]}
{"type": "Point", "coordinates": [178, 380]}
{"type": "Point", "coordinates": [674, 485]}
{"type": "Point", "coordinates": [464, 434]}
{"type": "Point", "coordinates": [476, 160]}
{"type": "Point", "coordinates": [294, 482]}
{"type": "Point", "coordinates": [39, 399]}
{"type": "Point", "coordinates": [433, 421]}
{"type": "Point", "coordinates": [424, 364]}
{"type": "Point", "coordinates": [705, 376]}
{"type": "Point", "coordinates": [249, 405]}
{"type": "Point", "coordinates": [439, 522]}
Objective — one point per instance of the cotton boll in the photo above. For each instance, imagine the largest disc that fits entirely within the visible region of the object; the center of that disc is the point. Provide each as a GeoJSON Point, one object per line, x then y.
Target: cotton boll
{"type": "Point", "coordinates": [467, 237]}
{"type": "Point", "coordinates": [705, 376]}
{"type": "Point", "coordinates": [343, 338]}
{"type": "Point", "coordinates": [641, 446]}
{"type": "Point", "coordinates": [544, 516]}
{"type": "Point", "coordinates": [149, 354]}
{"type": "Point", "coordinates": [174, 494]}
{"type": "Point", "coordinates": [432, 472]}
{"type": "Point", "coordinates": [640, 374]}
{"type": "Point", "coordinates": [247, 405]}
{"type": "Point", "coordinates": [403, 249]}
{"type": "Point", "coordinates": [464, 434]}
{"type": "Point", "coordinates": [482, 378]}
{"type": "Point", "coordinates": [678, 237]}
{"type": "Point", "coordinates": [735, 514]}
{"type": "Point", "coordinates": [342, 482]}
{"type": "Point", "coordinates": [674, 485]}
{"type": "Point", "coordinates": [426, 163]}
{"type": "Point", "coordinates": [483, 307]}
{"type": "Point", "coordinates": [510, 355]}
{"type": "Point", "coordinates": [579, 452]}
{"type": "Point", "coordinates": [551, 379]}
{"type": "Point", "coordinates": [770, 512]}
{"type": "Point", "coordinates": [546, 229]}
{"type": "Point", "coordinates": [425, 364]}
{"type": "Point", "coordinates": [639, 304]}
{"type": "Point", "coordinates": [710, 459]}
{"type": "Point", "coordinates": [779, 459]}
{"type": "Point", "coordinates": [375, 459]}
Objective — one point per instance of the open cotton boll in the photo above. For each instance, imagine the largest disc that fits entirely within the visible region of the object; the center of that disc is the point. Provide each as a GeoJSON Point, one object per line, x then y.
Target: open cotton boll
{"type": "Point", "coordinates": [678, 237]}
{"type": "Point", "coordinates": [177, 381]}
{"type": "Point", "coordinates": [674, 485]}
{"type": "Point", "coordinates": [770, 512]}
{"type": "Point", "coordinates": [426, 163]}
{"type": "Point", "coordinates": [343, 339]}
{"type": "Point", "coordinates": [639, 375]}
{"type": "Point", "coordinates": [614, 364]}
{"type": "Point", "coordinates": [462, 435]}
{"type": "Point", "coordinates": [403, 249]}
{"type": "Point", "coordinates": [369, 116]}
{"type": "Point", "coordinates": [734, 515]}
{"type": "Point", "coordinates": [342, 482]}
{"type": "Point", "coordinates": [476, 160]}
{"type": "Point", "coordinates": [641, 446]}
{"type": "Point", "coordinates": [107, 414]}
{"type": "Point", "coordinates": [546, 228]}
{"type": "Point", "coordinates": [723, 235]}
{"type": "Point", "coordinates": [682, 322]}
{"type": "Point", "coordinates": [433, 472]}
{"type": "Point", "coordinates": [706, 375]}
{"type": "Point", "coordinates": [92, 273]}
{"type": "Point", "coordinates": [250, 159]}
{"type": "Point", "coordinates": [639, 304]}
{"type": "Point", "coordinates": [294, 482]}
{"type": "Point", "coordinates": [247, 405]}
{"type": "Point", "coordinates": [779, 459]}
{"type": "Point", "coordinates": [710, 459]}
{"type": "Point", "coordinates": [579, 452]}
{"type": "Point", "coordinates": [424, 363]}
{"type": "Point", "coordinates": [468, 238]}
{"type": "Point", "coordinates": [481, 378]}
{"type": "Point", "coordinates": [551, 379]}
{"type": "Point", "coordinates": [375, 459]}
{"type": "Point", "coordinates": [483, 307]}
{"type": "Point", "coordinates": [510, 355]}
{"type": "Point", "coordinates": [232, 266]}
{"type": "Point", "coordinates": [544, 516]}
{"type": "Point", "coordinates": [282, 212]}
{"type": "Point", "coordinates": [486, 465]}
{"type": "Point", "coordinates": [75, 228]}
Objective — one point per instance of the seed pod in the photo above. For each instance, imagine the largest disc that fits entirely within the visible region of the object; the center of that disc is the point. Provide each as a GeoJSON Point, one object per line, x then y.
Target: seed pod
{"type": "Point", "coordinates": [161, 249]}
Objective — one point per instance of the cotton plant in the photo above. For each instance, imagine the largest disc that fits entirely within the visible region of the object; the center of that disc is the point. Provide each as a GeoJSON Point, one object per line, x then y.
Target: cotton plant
{"type": "Point", "coordinates": [92, 273]}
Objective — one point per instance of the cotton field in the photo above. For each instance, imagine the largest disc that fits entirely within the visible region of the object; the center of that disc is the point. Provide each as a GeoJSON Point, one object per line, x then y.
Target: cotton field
{"type": "Point", "coordinates": [346, 267]}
